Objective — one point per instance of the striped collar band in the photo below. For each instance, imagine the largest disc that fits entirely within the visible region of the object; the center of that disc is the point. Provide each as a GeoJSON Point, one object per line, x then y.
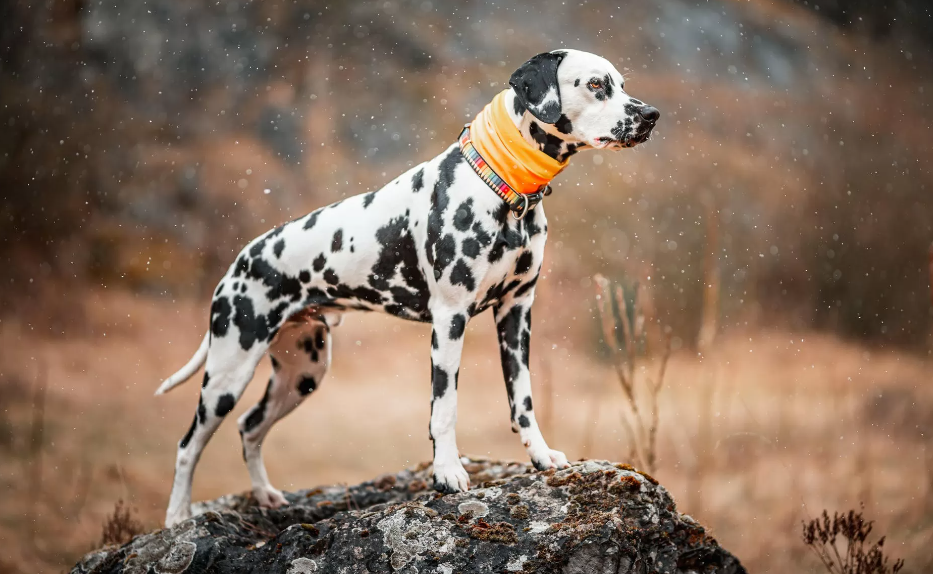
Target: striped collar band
{"type": "Point", "coordinates": [519, 203]}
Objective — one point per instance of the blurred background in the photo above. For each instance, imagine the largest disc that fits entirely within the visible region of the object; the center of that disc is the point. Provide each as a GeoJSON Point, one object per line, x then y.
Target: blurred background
{"type": "Point", "coordinates": [776, 231]}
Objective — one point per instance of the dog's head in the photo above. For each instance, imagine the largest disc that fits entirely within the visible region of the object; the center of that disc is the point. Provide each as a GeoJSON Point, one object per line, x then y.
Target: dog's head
{"type": "Point", "coordinates": [582, 97]}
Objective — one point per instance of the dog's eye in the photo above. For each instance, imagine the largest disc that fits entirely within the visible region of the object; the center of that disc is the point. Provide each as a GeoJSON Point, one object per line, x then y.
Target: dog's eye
{"type": "Point", "coordinates": [595, 84]}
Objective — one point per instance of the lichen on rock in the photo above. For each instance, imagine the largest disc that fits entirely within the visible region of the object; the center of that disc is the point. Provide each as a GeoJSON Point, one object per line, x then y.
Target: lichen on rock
{"type": "Point", "coordinates": [593, 517]}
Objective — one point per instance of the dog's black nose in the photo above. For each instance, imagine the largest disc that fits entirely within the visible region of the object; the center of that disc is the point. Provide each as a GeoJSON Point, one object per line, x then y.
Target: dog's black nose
{"type": "Point", "coordinates": [649, 113]}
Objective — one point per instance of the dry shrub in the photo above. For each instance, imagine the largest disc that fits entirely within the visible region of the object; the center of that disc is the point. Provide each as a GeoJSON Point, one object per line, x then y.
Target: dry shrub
{"type": "Point", "coordinates": [822, 534]}
{"type": "Point", "coordinates": [641, 427]}
{"type": "Point", "coordinates": [120, 527]}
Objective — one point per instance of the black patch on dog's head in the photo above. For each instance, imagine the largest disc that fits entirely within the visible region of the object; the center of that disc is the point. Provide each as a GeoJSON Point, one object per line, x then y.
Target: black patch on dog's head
{"type": "Point", "coordinates": [532, 82]}
{"type": "Point", "coordinates": [518, 107]}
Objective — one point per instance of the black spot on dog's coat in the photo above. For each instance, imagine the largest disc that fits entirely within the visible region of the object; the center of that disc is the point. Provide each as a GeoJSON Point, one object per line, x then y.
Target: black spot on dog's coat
{"type": "Point", "coordinates": [509, 327]}
{"type": "Point", "coordinates": [368, 198]}
{"type": "Point", "coordinates": [524, 422]}
{"type": "Point", "coordinates": [312, 219]}
{"type": "Point", "coordinates": [576, 82]}
{"type": "Point", "coordinates": [330, 276]}
{"type": "Point", "coordinates": [523, 264]}
{"type": "Point", "coordinates": [319, 341]}
{"type": "Point", "coordinates": [440, 200]}
{"type": "Point", "coordinates": [202, 412]}
{"type": "Point", "coordinates": [461, 275]}
{"type": "Point", "coordinates": [307, 345]}
{"type": "Point", "coordinates": [187, 438]}
{"type": "Point", "coordinates": [279, 284]}
{"type": "Point", "coordinates": [526, 346]}
{"type": "Point", "coordinates": [337, 243]}
{"type": "Point", "coordinates": [528, 403]}
{"type": "Point", "coordinates": [526, 287]}
{"type": "Point", "coordinates": [307, 385]}
{"type": "Point", "coordinates": [470, 247]}
{"type": "Point", "coordinates": [242, 266]}
{"type": "Point", "coordinates": [207, 379]}
{"type": "Point", "coordinates": [256, 415]}
{"type": "Point", "coordinates": [464, 216]}
{"type": "Point", "coordinates": [220, 316]}
{"type": "Point", "coordinates": [417, 181]}
{"type": "Point", "coordinates": [398, 254]}
{"type": "Point", "coordinates": [510, 368]}
{"type": "Point", "coordinates": [319, 262]}
{"type": "Point", "coordinates": [457, 325]}
{"type": "Point", "coordinates": [225, 404]}
{"type": "Point", "coordinates": [278, 247]}
{"type": "Point", "coordinates": [252, 327]}
{"type": "Point", "coordinates": [439, 381]}
{"type": "Point", "coordinates": [446, 252]}
{"type": "Point", "coordinates": [304, 276]}
{"type": "Point", "coordinates": [548, 143]}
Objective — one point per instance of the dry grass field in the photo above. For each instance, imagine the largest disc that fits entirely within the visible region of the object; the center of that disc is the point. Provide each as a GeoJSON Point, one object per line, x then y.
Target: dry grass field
{"type": "Point", "coordinates": [766, 430]}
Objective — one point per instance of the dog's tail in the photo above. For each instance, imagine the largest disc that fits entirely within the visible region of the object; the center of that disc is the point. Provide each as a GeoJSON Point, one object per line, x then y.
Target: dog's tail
{"type": "Point", "coordinates": [191, 368]}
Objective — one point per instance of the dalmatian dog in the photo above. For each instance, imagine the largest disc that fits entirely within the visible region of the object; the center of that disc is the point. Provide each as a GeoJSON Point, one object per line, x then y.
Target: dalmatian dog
{"type": "Point", "coordinates": [435, 245]}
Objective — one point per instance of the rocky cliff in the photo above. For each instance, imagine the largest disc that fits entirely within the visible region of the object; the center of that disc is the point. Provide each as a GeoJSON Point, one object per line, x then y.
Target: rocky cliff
{"type": "Point", "coordinates": [593, 517]}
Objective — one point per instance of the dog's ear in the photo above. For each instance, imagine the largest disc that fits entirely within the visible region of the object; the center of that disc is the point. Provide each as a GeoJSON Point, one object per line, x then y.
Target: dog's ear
{"type": "Point", "coordinates": [535, 84]}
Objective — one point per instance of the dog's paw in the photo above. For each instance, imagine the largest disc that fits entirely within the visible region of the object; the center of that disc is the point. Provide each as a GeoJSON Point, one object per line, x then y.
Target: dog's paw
{"type": "Point", "coordinates": [549, 459]}
{"type": "Point", "coordinates": [451, 477]}
{"type": "Point", "coordinates": [269, 497]}
{"type": "Point", "coordinates": [559, 459]}
{"type": "Point", "coordinates": [174, 517]}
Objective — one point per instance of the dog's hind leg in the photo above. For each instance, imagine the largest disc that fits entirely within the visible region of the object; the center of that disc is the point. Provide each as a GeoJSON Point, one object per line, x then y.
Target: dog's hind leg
{"type": "Point", "coordinates": [229, 368]}
{"type": "Point", "coordinates": [300, 356]}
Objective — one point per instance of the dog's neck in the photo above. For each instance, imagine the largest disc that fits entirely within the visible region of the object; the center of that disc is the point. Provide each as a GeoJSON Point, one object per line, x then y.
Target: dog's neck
{"type": "Point", "coordinates": [545, 137]}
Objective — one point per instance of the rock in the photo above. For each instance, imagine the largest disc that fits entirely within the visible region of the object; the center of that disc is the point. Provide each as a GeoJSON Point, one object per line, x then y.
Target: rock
{"type": "Point", "coordinates": [595, 517]}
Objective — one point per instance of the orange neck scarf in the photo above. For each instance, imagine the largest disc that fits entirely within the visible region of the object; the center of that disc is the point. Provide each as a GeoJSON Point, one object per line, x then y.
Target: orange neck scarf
{"type": "Point", "coordinates": [525, 168]}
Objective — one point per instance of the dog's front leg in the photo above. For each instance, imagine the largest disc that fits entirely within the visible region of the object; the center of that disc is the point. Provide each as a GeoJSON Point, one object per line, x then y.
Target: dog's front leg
{"type": "Point", "coordinates": [446, 346]}
{"type": "Point", "coordinates": [513, 324]}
